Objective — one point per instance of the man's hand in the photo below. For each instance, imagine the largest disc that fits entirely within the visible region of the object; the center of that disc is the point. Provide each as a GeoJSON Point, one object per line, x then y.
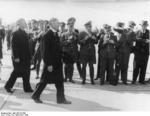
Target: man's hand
{"type": "Point", "coordinates": [50, 68]}
{"type": "Point", "coordinates": [17, 60]}
{"type": "Point", "coordinates": [147, 41]}
{"type": "Point", "coordinates": [111, 41]}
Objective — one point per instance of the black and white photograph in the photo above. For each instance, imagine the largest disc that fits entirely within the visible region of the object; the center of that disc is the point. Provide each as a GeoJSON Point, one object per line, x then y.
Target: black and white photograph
{"type": "Point", "coordinates": [74, 56]}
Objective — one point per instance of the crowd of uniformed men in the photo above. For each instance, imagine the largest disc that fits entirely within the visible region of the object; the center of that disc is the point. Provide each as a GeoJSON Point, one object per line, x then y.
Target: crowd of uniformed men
{"type": "Point", "coordinates": [60, 45]}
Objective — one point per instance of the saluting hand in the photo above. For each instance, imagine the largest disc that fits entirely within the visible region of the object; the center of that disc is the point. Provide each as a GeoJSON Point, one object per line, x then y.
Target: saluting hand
{"type": "Point", "coordinates": [50, 68]}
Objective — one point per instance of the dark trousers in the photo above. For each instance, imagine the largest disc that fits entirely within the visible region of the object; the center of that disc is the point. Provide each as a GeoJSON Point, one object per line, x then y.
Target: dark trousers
{"type": "Point", "coordinates": [98, 67]}
{"type": "Point", "coordinates": [91, 70]}
{"type": "Point", "coordinates": [106, 65]}
{"type": "Point", "coordinates": [122, 62]}
{"type": "Point", "coordinates": [78, 64]}
{"type": "Point", "coordinates": [13, 77]}
{"type": "Point", "coordinates": [68, 69]}
{"type": "Point", "coordinates": [1, 48]}
{"type": "Point", "coordinates": [140, 66]}
{"type": "Point", "coordinates": [41, 86]}
{"type": "Point", "coordinates": [8, 42]}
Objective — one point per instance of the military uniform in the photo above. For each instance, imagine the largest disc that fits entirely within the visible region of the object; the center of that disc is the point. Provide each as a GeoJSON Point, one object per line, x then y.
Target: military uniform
{"type": "Point", "coordinates": [70, 50]}
{"type": "Point", "coordinates": [123, 53]}
{"type": "Point", "coordinates": [87, 52]}
{"type": "Point", "coordinates": [69, 42]}
{"type": "Point", "coordinates": [107, 54]}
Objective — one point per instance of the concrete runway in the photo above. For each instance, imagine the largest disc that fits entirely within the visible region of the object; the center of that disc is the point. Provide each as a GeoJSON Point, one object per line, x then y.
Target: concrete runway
{"type": "Point", "coordinates": [84, 97]}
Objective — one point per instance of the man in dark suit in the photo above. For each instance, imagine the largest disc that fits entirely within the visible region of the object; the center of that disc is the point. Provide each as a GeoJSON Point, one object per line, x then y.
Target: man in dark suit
{"type": "Point", "coordinates": [52, 57]}
{"type": "Point", "coordinates": [141, 53]}
{"type": "Point", "coordinates": [20, 58]}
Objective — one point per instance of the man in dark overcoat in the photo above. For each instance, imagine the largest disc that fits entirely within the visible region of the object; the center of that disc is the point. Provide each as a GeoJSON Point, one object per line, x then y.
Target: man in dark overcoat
{"type": "Point", "coordinates": [141, 53]}
{"type": "Point", "coordinates": [52, 57]}
{"type": "Point", "coordinates": [20, 57]}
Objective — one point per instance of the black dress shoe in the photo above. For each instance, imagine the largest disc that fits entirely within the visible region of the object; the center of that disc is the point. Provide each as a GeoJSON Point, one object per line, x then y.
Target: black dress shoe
{"type": "Point", "coordinates": [133, 82]}
{"type": "Point", "coordinates": [72, 81]}
{"type": "Point", "coordinates": [83, 82]}
{"type": "Point", "coordinates": [28, 91]}
{"type": "Point", "coordinates": [125, 83]}
{"type": "Point", "coordinates": [92, 82]}
{"type": "Point", "coordinates": [65, 80]}
{"type": "Point", "coordinates": [8, 90]}
{"type": "Point", "coordinates": [37, 100]}
{"type": "Point", "coordinates": [96, 78]}
{"type": "Point", "coordinates": [64, 102]}
{"type": "Point", "coordinates": [143, 83]}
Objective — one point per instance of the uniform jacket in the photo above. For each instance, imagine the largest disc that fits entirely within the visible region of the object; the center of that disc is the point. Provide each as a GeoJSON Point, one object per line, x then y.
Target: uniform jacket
{"type": "Point", "coordinates": [69, 43]}
{"type": "Point", "coordinates": [108, 49]}
{"type": "Point", "coordinates": [87, 46]}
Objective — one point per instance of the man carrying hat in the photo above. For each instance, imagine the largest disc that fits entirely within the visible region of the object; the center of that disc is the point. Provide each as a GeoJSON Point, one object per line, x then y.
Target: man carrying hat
{"type": "Point", "coordinates": [69, 41]}
{"type": "Point", "coordinates": [88, 39]}
{"type": "Point", "coordinates": [141, 53]}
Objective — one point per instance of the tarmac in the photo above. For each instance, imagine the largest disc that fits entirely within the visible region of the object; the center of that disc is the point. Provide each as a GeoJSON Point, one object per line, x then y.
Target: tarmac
{"type": "Point", "coordinates": [84, 97]}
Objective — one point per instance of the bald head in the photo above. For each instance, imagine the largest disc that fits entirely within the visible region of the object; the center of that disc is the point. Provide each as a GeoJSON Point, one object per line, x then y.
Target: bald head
{"type": "Point", "coordinates": [54, 23]}
{"type": "Point", "coordinates": [21, 23]}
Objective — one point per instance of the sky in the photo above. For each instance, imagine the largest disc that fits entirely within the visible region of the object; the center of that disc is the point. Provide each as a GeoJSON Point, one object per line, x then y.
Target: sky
{"type": "Point", "coordinates": [83, 10]}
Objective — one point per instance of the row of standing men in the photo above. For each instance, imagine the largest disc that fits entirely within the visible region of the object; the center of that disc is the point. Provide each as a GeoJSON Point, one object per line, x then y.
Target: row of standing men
{"type": "Point", "coordinates": [114, 49]}
{"type": "Point", "coordinates": [72, 46]}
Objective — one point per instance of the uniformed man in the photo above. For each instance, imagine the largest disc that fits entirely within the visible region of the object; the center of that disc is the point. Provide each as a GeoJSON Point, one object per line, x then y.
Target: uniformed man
{"type": "Point", "coordinates": [141, 53]}
{"type": "Point", "coordinates": [37, 58]}
{"type": "Point", "coordinates": [107, 51]}
{"type": "Point", "coordinates": [101, 34]}
{"type": "Point", "coordinates": [70, 49]}
{"type": "Point", "coordinates": [87, 51]}
{"type": "Point", "coordinates": [123, 52]}
{"type": "Point", "coordinates": [52, 57]}
{"type": "Point", "coordinates": [20, 57]}
{"type": "Point", "coordinates": [8, 37]}
{"type": "Point", "coordinates": [62, 28]}
{"type": "Point", "coordinates": [33, 40]}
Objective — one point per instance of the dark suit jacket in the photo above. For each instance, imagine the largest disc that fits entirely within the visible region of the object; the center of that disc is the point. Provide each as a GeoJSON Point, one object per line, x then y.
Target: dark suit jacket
{"type": "Point", "coordinates": [141, 46]}
{"type": "Point", "coordinates": [20, 49]}
{"type": "Point", "coordinates": [131, 37]}
{"type": "Point", "coordinates": [52, 56]}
